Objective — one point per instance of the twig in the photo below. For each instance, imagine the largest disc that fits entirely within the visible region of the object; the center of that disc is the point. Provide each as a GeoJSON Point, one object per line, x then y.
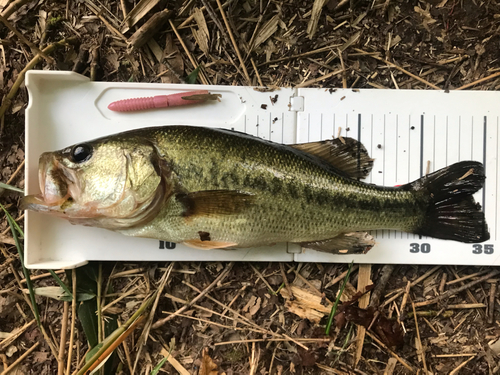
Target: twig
{"type": "Point", "coordinates": [14, 335]}
{"type": "Point", "coordinates": [21, 37]}
{"type": "Point", "coordinates": [422, 351]}
{"type": "Point", "coordinates": [147, 326]}
{"type": "Point", "coordinates": [106, 23]}
{"type": "Point", "coordinates": [402, 70]}
{"type": "Point", "coordinates": [457, 369]}
{"type": "Point", "coordinates": [404, 300]}
{"type": "Point", "coordinates": [174, 362]}
{"type": "Point", "coordinates": [308, 340]}
{"type": "Point", "coordinates": [260, 276]}
{"type": "Point", "coordinates": [62, 343]}
{"type": "Point", "coordinates": [385, 275]}
{"type": "Point", "coordinates": [213, 16]}
{"type": "Point", "coordinates": [191, 17]}
{"type": "Point", "coordinates": [400, 360]}
{"type": "Point", "coordinates": [491, 76]}
{"type": "Point", "coordinates": [344, 80]}
{"type": "Point", "coordinates": [20, 359]}
{"type": "Point", "coordinates": [7, 100]}
{"type": "Point", "coordinates": [309, 53]}
{"type": "Point", "coordinates": [285, 280]}
{"type": "Point", "coordinates": [491, 306]}
{"type": "Point", "coordinates": [319, 79]}
{"type": "Point", "coordinates": [239, 318]}
{"type": "Point", "coordinates": [115, 344]}
{"type": "Point", "coordinates": [452, 292]}
{"type": "Point", "coordinates": [256, 72]}
{"type": "Point", "coordinates": [15, 5]}
{"type": "Point", "coordinates": [442, 284]}
{"type": "Point", "coordinates": [94, 64]}
{"type": "Point", "coordinates": [467, 277]}
{"type": "Point", "coordinates": [341, 276]}
{"type": "Point", "coordinates": [73, 321]}
{"type": "Point", "coordinates": [249, 81]}
{"type": "Point", "coordinates": [223, 274]}
{"type": "Point", "coordinates": [19, 168]}
{"type": "Point", "coordinates": [124, 8]}
{"type": "Point", "coordinates": [363, 281]}
{"type": "Point", "coordinates": [116, 338]}
{"type": "Point", "coordinates": [202, 75]}
{"type": "Point", "coordinates": [413, 283]}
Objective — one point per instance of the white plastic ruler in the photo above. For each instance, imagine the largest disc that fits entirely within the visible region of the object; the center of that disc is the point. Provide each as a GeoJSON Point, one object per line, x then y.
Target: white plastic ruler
{"type": "Point", "coordinates": [405, 131]}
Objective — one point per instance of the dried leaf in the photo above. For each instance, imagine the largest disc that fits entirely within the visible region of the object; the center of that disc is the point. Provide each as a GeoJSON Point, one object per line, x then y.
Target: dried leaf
{"type": "Point", "coordinates": [136, 14]}
{"type": "Point", "coordinates": [174, 58]}
{"type": "Point", "coordinates": [208, 367]}
{"type": "Point", "coordinates": [312, 26]}
{"type": "Point", "coordinates": [307, 358]}
{"type": "Point", "coordinates": [267, 30]}
{"type": "Point", "coordinates": [201, 35]}
{"type": "Point", "coordinates": [495, 346]}
{"type": "Point", "coordinates": [151, 27]}
{"type": "Point", "coordinates": [426, 16]}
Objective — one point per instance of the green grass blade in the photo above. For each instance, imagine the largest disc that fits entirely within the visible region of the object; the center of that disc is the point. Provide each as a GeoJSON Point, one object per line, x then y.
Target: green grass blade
{"type": "Point", "coordinates": [191, 78]}
{"type": "Point", "coordinates": [157, 368]}
{"type": "Point", "coordinates": [335, 305]}
{"type": "Point", "coordinates": [9, 187]}
{"type": "Point", "coordinates": [9, 217]}
{"type": "Point", "coordinates": [346, 341]}
{"type": "Point", "coordinates": [61, 284]}
{"type": "Point", "coordinates": [26, 273]}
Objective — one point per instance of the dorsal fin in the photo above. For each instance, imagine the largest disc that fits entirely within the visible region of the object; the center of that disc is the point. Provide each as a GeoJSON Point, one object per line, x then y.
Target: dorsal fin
{"type": "Point", "coordinates": [346, 154]}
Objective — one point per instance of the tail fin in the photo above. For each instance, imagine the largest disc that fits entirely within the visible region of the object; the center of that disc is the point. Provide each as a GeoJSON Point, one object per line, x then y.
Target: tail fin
{"type": "Point", "coordinates": [452, 213]}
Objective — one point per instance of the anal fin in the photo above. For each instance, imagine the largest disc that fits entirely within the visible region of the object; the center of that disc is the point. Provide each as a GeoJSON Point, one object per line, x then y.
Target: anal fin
{"type": "Point", "coordinates": [347, 155]}
{"type": "Point", "coordinates": [345, 243]}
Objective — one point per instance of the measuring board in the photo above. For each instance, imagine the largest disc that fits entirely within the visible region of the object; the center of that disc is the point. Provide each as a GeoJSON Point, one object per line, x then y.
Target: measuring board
{"type": "Point", "coordinates": [407, 132]}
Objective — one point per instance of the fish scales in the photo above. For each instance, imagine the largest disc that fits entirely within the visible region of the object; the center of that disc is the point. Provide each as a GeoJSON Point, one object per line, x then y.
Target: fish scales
{"type": "Point", "coordinates": [299, 198]}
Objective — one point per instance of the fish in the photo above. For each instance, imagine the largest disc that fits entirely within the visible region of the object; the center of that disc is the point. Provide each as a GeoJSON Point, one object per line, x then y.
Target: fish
{"type": "Point", "coordinates": [212, 188]}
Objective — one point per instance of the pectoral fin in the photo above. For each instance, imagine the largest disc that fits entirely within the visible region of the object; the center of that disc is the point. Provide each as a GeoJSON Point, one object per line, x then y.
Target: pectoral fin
{"type": "Point", "coordinates": [346, 243]}
{"type": "Point", "coordinates": [207, 245]}
{"type": "Point", "coordinates": [214, 202]}
{"type": "Point", "coordinates": [347, 155]}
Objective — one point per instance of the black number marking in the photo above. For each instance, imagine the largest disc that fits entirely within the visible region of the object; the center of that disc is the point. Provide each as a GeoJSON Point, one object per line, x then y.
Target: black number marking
{"type": "Point", "coordinates": [424, 248]}
{"type": "Point", "coordinates": [167, 245]}
{"type": "Point", "coordinates": [480, 249]}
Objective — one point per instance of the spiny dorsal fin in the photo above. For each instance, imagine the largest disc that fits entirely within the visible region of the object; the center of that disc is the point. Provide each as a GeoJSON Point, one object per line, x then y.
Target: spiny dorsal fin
{"type": "Point", "coordinates": [349, 156]}
{"type": "Point", "coordinates": [214, 202]}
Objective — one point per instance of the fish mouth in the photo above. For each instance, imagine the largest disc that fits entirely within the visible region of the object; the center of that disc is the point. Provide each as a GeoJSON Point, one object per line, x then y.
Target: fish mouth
{"type": "Point", "coordinates": [56, 186]}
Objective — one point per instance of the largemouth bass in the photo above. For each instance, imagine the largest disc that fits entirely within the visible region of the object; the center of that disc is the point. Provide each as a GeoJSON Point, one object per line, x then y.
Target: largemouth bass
{"type": "Point", "coordinates": [213, 188]}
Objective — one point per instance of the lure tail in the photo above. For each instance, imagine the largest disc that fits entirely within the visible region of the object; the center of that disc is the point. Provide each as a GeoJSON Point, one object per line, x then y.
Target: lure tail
{"type": "Point", "coordinates": [452, 213]}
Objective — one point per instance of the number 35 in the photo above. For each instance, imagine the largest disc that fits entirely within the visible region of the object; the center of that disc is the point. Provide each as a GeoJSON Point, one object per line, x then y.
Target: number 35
{"type": "Point", "coordinates": [482, 249]}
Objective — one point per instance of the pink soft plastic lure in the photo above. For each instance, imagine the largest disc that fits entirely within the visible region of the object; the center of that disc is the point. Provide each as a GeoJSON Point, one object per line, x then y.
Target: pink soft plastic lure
{"type": "Point", "coordinates": [158, 101]}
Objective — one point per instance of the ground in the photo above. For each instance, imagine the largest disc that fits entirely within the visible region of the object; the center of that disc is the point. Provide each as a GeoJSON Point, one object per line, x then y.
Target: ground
{"type": "Point", "coordinates": [240, 317]}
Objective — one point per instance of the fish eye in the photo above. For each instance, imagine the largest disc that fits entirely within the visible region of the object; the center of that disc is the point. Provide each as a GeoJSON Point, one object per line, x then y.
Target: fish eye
{"type": "Point", "coordinates": [81, 153]}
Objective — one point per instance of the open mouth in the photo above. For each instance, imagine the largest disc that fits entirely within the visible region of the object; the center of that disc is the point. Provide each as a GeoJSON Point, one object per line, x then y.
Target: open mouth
{"type": "Point", "coordinates": [54, 186]}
